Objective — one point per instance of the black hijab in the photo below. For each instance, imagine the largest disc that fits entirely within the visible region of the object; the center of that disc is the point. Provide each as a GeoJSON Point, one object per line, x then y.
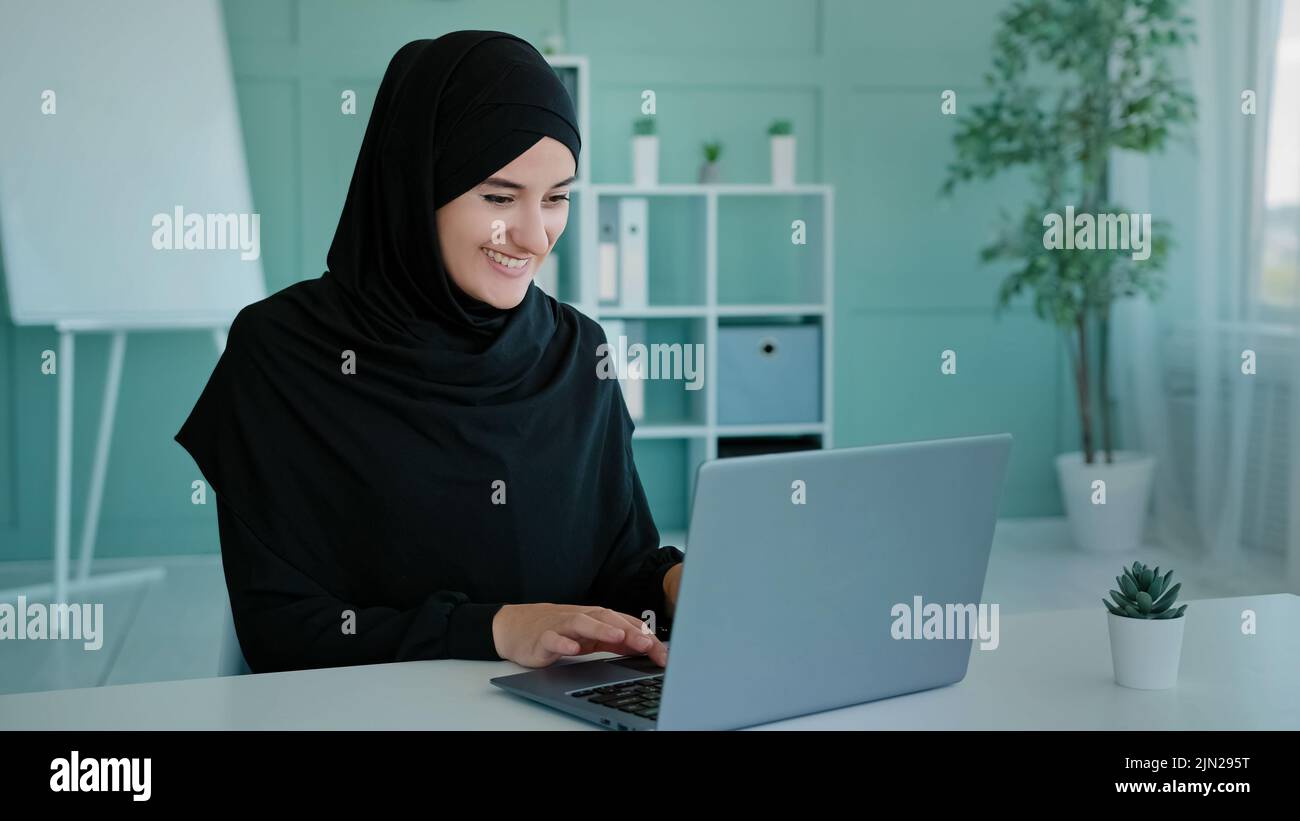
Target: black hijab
{"type": "Point", "coordinates": [473, 458]}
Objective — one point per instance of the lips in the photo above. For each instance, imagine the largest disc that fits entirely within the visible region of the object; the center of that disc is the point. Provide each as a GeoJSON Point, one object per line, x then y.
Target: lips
{"type": "Point", "coordinates": [507, 269]}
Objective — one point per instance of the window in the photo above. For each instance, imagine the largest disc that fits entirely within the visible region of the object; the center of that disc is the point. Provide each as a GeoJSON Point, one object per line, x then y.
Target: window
{"type": "Point", "coordinates": [1280, 273]}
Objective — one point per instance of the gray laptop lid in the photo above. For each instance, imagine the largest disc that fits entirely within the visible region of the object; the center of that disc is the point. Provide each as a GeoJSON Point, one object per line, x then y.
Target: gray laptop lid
{"type": "Point", "coordinates": [785, 607]}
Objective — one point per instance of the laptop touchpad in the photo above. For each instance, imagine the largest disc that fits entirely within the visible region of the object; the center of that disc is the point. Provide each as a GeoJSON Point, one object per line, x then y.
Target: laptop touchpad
{"type": "Point", "coordinates": [642, 664]}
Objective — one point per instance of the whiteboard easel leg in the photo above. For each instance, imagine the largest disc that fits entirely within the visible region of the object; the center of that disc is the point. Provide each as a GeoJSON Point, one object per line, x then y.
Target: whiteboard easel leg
{"type": "Point", "coordinates": [63, 468]}
{"type": "Point", "coordinates": [107, 412]}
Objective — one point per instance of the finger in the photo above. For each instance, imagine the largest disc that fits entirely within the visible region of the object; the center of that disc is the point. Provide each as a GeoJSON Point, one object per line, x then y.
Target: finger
{"type": "Point", "coordinates": [553, 642]}
{"type": "Point", "coordinates": [656, 649]}
{"type": "Point", "coordinates": [633, 642]}
{"type": "Point", "coordinates": [583, 626]}
{"type": "Point", "coordinates": [633, 625]}
{"type": "Point", "coordinates": [641, 626]}
{"type": "Point", "coordinates": [657, 652]}
{"type": "Point", "coordinates": [605, 614]}
{"type": "Point", "coordinates": [623, 620]}
{"type": "Point", "coordinates": [637, 638]}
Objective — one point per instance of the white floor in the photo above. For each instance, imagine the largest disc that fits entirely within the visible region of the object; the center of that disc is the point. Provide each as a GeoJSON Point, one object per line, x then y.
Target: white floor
{"type": "Point", "coordinates": [173, 630]}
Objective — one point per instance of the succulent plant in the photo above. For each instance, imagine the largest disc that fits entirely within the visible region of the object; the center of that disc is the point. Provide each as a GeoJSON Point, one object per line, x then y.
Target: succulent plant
{"type": "Point", "coordinates": [712, 150]}
{"type": "Point", "coordinates": [780, 128]}
{"type": "Point", "coordinates": [644, 127]}
{"type": "Point", "coordinates": [1145, 594]}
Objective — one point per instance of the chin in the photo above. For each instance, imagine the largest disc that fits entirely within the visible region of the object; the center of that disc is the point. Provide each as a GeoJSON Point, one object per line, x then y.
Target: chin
{"type": "Point", "coordinates": [505, 299]}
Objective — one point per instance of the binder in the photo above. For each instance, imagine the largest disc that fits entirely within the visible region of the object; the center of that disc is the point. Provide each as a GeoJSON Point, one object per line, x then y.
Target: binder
{"type": "Point", "coordinates": [633, 214]}
{"type": "Point", "coordinates": [621, 335]}
{"type": "Point", "coordinates": [607, 257]}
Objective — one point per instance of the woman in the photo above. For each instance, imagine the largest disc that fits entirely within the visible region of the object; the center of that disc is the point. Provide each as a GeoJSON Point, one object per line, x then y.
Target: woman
{"type": "Point", "coordinates": [413, 455]}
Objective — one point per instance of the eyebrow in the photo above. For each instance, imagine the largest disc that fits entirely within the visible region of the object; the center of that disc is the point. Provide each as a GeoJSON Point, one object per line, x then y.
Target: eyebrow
{"type": "Point", "coordinates": [502, 182]}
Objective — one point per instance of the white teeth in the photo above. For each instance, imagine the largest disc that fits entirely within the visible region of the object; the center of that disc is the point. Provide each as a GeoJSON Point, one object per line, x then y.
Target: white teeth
{"type": "Point", "coordinates": [509, 262]}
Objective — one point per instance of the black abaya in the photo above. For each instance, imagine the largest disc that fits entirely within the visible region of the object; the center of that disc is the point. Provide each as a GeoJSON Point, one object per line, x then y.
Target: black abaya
{"type": "Point", "coordinates": [471, 458]}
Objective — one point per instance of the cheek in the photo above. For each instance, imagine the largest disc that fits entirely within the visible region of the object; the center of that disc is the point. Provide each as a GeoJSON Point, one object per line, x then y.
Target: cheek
{"type": "Point", "coordinates": [555, 226]}
{"type": "Point", "coordinates": [474, 230]}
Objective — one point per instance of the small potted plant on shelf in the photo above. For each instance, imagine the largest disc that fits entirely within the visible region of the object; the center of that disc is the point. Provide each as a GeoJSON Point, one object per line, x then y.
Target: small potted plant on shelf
{"type": "Point", "coordinates": [710, 170]}
{"type": "Point", "coordinates": [1146, 630]}
{"type": "Point", "coordinates": [553, 43]}
{"type": "Point", "coordinates": [781, 133]}
{"type": "Point", "coordinates": [645, 152]}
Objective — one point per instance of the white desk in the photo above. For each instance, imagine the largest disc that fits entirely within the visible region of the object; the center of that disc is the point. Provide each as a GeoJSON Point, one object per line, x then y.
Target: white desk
{"type": "Point", "coordinates": [1051, 671]}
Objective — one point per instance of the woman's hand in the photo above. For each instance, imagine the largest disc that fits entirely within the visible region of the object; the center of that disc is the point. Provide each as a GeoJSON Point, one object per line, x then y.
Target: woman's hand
{"type": "Point", "coordinates": [536, 635]}
{"type": "Point", "coordinates": [672, 582]}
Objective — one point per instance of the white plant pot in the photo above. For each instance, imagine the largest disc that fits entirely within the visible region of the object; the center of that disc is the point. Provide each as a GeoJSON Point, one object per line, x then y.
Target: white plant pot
{"type": "Point", "coordinates": [645, 159]}
{"type": "Point", "coordinates": [783, 159]}
{"type": "Point", "coordinates": [1145, 652]}
{"type": "Point", "coordinates": [1116, 526]}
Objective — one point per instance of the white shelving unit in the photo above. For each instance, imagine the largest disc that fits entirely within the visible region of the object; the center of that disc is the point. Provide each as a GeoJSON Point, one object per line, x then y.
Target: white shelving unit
{"type": "Point", "coordinates": [702, 437]}
{"type": "Point", "coordinates": [579, 287]}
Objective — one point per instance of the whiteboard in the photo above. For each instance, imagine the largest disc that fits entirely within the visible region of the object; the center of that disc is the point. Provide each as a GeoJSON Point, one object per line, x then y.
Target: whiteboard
{"type": "Point", "coordinates": [144, 122]}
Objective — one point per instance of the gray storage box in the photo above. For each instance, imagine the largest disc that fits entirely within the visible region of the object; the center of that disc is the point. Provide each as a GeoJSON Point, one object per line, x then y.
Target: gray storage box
{"type": "Point", "coordinates": [769, 374]}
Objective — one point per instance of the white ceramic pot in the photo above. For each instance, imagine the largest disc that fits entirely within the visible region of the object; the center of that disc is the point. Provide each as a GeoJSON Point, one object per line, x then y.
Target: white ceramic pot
{"type": "Point", "coordinates": [782, 159]}
{"type": "Point", "coordinates": [645, 159]}
{"type": "Point", "coordinates": [1145, 652]}
{"type": "Point", "coordinates": [710, 172]}
{"type": "Point", "coordinates": [1116, 526]}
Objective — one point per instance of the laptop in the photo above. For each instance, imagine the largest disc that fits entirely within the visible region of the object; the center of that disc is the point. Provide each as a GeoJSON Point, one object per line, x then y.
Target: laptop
{"type": "Point", "coordinates": [798, 566]}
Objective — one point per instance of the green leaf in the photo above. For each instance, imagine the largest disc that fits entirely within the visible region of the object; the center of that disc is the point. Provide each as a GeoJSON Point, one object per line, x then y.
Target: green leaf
{"type": "Point", "coordinates": [1120, 600]}
{"type": "Point", "coordinates": [1167, 599]}
{"type": "Point", "coordinates": [1136, 576]}
{"type": "Point", "coordinates": [1144, 601]}
{"type": "Point", "coordinates": [1157, 585]}
{"type": "Point", "coordinates": [1130, 589]}
{"type": "Point", "coordinates": [1132, 612]}
{"type": "Point", "coordinates": [1147, 576]}
{"type": "Point", "coordinates": [1111, 608]}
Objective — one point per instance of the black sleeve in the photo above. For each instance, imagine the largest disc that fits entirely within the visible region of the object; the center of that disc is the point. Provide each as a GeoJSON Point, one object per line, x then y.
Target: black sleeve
{"type": "Point", "coordinates": [631, 580]}
{"type": "Point", "coordinates": [286, 621]}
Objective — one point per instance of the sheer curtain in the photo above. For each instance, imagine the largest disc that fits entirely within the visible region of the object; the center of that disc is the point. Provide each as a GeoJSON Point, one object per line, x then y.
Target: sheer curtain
{"type": "Point", "coordinates": [1227, 444]}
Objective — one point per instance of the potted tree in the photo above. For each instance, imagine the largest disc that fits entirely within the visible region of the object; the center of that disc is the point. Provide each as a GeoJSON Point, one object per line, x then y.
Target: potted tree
{"type": "Point", "coordinates": [645, 152]}
{"type": "Point", "coordinates": [1146, 630]}
{"type": "Point", "coordinates": [1112, 89]}
{"type": "Point", "coordinates": [781, 135]}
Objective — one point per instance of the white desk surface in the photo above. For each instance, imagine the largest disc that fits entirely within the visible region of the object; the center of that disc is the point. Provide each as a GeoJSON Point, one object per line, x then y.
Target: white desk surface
{"type": "Point", "coordinates": [1052, 670]}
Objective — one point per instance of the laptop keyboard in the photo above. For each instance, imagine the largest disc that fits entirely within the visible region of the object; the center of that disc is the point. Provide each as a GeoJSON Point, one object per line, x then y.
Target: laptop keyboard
{"type": "Point", "coordinates": [639, 696]}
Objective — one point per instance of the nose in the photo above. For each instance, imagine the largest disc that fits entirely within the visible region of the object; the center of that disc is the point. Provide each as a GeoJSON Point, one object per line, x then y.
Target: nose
{"type": "Point", "coordinates": [529, 231]}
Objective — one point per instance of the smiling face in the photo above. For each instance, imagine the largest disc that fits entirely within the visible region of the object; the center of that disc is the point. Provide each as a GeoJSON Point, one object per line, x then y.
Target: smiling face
{"type": "Point", "coordinates": [530, 197]}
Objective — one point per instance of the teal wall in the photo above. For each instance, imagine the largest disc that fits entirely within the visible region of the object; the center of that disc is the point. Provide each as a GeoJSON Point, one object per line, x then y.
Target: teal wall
{"type": "Point", "coordinates": [861, 80]}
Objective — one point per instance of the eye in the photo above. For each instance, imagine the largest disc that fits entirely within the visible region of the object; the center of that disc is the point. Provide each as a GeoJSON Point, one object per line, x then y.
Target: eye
{"type": "Point", "coordinates": [498, 199]}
